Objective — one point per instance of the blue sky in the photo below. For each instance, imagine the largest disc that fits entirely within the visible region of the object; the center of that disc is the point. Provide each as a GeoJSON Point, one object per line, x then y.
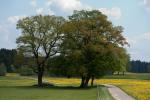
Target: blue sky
{"type": "Point", "coordinates": [133, 15]}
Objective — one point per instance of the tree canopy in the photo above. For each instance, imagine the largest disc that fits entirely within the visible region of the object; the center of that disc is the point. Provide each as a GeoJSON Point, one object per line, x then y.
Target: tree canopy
{"type": "Point", "coordinates": [93, 45]}
{"type": "Point", "coordinates": [40, 38]}
{"type": "Point", "coordinates": [86, 45]}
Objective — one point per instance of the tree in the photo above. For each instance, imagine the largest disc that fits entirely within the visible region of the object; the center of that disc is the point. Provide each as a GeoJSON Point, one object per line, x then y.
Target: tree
{"type": "Point", "coordinates": [123, 61]}
{"type": "Point", "coordinates": [7, 58]}
{"type": "Point", "coordinates": [19, 59]}
{"type": "Point", "coordinates": [41, 37]}
{"type": "Point", "coordinates": [2, 69]}
{"type": "Point", "coordinates": [139, 66]}
{"type": "Point", "coordinates": [93, 45]}
{"type": "Point", "coordinates": [26, 71]}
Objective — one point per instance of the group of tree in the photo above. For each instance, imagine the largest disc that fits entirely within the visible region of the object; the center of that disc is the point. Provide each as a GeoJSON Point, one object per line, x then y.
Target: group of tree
{"type": "Point", "coordinates": [12, 60]}
{"type": "Point", "coordinates": [139, 67]}
{"type": "Point", "coordinates": [7, 58]}
{"type": "Point", "coordinates": [86, 45]}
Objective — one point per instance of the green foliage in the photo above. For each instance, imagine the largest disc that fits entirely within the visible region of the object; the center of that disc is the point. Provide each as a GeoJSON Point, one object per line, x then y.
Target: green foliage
{"type": "Point", "coordinates": [41, 37]}
{"type": "Point", "coordinates": [26, 71]}
{"type": "Point", "coordinates": [7, 57]}
{"type": "Point", "coordinates": [93, 44]}
{"type": "Point", "coordinates": [12, 69]}
{"type": "Point", "coordinates": [139, 67]}
{"type": "Point", "coordinates": [2, 70]}
{"type": "Point", "coordinates": [88, 44]}
{"type": "Point", "coordinates": [19, 59]}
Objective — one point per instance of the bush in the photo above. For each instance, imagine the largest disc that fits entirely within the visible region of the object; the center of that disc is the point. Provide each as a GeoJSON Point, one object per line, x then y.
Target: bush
{"type": "Point", "coordinates": [26, 71]}
{"type": "Point", "coordinates": [2, 70]}
{"type": "Point", "coordinates": [11, 69]}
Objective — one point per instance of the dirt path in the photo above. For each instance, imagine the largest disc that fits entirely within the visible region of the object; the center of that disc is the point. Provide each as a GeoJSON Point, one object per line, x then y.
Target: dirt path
{"type": "Point", "coordinates": [117, 93]}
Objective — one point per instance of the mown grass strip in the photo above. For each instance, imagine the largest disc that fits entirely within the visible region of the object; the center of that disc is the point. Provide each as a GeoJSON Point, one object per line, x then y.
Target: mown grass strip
{"type": "Point", "coordinates": [103, 93]}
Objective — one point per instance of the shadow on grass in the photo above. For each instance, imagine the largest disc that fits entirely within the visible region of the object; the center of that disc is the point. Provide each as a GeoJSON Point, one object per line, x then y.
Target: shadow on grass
{"type": "Point", "coordinates": [50, 86]}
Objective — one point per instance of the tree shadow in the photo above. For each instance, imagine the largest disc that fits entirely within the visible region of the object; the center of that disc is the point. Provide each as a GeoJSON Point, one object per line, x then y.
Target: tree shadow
{"type": "Point", "coordinates": [50, 86]}
{"type": "Point", "coordinates": [59, 87]}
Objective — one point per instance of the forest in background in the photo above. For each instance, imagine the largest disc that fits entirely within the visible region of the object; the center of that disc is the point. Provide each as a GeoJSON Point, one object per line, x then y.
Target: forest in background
{"type": "Point", "coordinates": [14, 60]}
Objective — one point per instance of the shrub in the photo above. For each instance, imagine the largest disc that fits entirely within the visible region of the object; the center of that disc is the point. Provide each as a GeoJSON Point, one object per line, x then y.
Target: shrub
{"type": "Point", "coordinates": [11, 69]}
{"type": "Point", "coordinates": [26, 71]}
{"type": "Point", "coordinates": [2, 70]}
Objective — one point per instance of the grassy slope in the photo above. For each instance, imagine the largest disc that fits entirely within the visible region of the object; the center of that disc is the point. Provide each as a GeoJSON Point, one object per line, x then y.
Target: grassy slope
{"type": "Point", "coordinates": [19, 88]}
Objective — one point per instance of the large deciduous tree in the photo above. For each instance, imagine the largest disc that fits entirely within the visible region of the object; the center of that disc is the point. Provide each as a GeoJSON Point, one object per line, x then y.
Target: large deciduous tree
{"type": "Point", "coordinates": [93, 45]}
{"type": "Point", "coordinates": [40, 38]}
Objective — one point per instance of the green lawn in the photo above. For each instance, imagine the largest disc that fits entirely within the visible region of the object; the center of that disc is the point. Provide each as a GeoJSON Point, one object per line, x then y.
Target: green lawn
{"type": "Point", "coordinates": [103, 93]}
{"type": "Point", "coordinates": [15, 87]}
{"type": "Point", "coordinates": [19, 88]}
{"type": "Point", "coordinates": [142, 76]}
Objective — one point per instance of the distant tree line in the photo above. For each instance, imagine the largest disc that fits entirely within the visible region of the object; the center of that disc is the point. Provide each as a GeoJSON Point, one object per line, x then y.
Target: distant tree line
{"type": "Point", "coordinates": [139, 67]}
{"type": "Point", "coordinates": [13, 61]}
{"type": "Point", "coordinates": [7, 58]}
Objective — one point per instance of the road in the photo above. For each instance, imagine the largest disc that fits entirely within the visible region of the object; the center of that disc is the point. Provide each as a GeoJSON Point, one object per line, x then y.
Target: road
{"type": "Point", "coordinates": [117, 93]}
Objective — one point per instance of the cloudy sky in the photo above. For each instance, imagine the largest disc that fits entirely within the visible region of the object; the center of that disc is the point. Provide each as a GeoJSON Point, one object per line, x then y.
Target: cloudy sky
{"type": "Point", "coordinates": [133, 15]}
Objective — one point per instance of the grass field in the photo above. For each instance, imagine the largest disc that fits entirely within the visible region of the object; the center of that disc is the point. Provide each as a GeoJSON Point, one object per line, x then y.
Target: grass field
{"type": "Point", "coordinates": [136, 85]}
{"type": "Point", "coordinates": [104, 94]}
{"type": "Point", "coordinates": [139, 89]}
{"type": "Point", "coordinates": [142, 76]}
{"type": "Point", "coordinates": [14, 87]}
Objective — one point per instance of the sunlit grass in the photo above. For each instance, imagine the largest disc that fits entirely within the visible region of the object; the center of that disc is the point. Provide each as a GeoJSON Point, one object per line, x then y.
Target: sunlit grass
{"type": "Point", "coordinates": [21, 88]}
{"type": "Point", "coordinates": [140, 89]}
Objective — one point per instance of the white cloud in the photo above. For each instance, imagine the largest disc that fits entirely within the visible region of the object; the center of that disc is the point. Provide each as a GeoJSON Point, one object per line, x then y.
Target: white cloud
{"type": "Point", "coordinates": [146, 4]}
{"type": "Point", "coordinates": [67, 5]}
{"type": "Point", "coordinates": [140, 47]}
{"type": "Point", "coordinates": [8, 35]}
{"type": "Point", "coordinates": [50, 12]}
{"type": "Point", "coordinates": [14, 19]}
{"type": "Point", "coordinates": [49, 3]}
{"type": "Point", "coordinates": [40, 11]}
{"type": "Point", "coordinates": [4, 37]}
{"type": "Point", "coordinates": [142, 38]}
{"type": "Point", "coordinates": [113, 12]}
{"type": "Point", "coordinates": [33, 3]}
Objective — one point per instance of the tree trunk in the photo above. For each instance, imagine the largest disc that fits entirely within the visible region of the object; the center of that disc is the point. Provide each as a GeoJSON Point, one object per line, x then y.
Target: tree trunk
{"type": "Point", "coordinates": [82, 82]}
{"type": "Point", "coordinates": [40, 75]}
{"type": "Point", "coordinates": [86, 82]}
{"type": "Point", "coordinates": [92, 81]}
{"type": "Point", "coordinates": [123, 72]}
{"type": "Point", "coordinates": [118, 72]}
